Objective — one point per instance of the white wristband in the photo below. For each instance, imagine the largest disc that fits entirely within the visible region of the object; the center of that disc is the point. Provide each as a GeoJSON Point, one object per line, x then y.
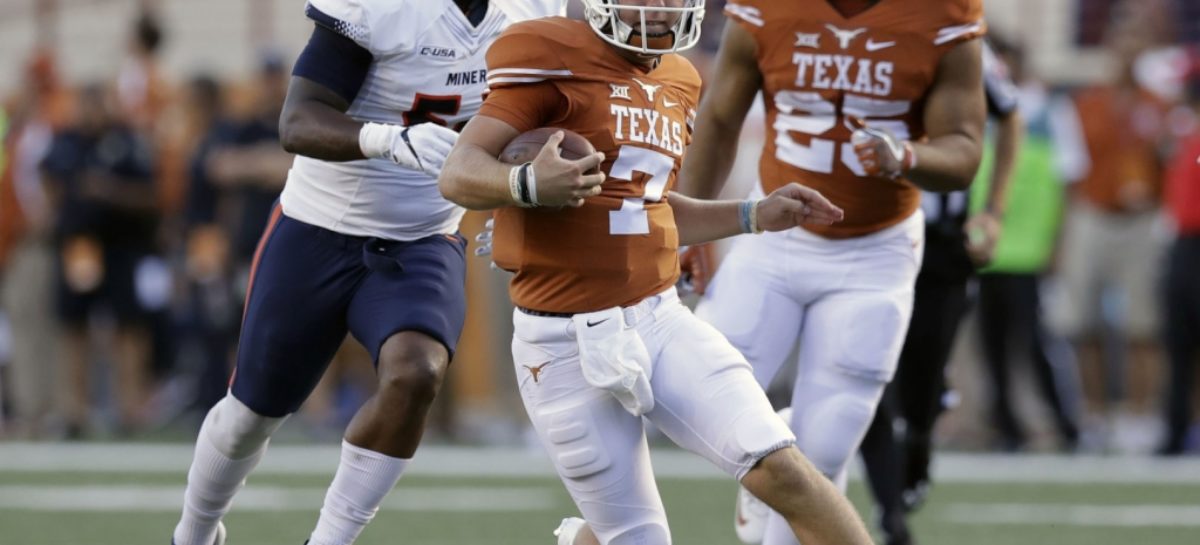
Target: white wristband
{"type": "Point", "coordinates": [514, 186]}
{"type": "Point", "coordinates": [531, 180]}
{"type": "Point", "coordinates": [375, 140]}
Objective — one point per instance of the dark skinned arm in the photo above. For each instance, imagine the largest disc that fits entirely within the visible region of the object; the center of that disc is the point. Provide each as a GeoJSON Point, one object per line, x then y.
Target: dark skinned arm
{"type": "Point", "coordinates": [314, 123]}
{"type": "Point", "coordinates": [955, 112]}
{"type": "Point", "coordinates": [713, 149]}
{"type": "Point", "coordinates": [983, 228]}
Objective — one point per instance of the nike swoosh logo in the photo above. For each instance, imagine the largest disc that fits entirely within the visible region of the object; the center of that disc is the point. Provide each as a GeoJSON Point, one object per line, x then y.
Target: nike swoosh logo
{"type": "Point", "coordinates": [594, 324]}
{"type": "Point", "coordinates": [876, 46]}
{"type": "Point", "coordinates": [669, 104]}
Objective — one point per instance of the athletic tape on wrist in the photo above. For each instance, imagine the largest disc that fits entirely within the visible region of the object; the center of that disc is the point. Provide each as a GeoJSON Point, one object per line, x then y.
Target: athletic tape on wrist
{"type": "Point", "coordinates": [374, 140]}
{"type": "Point", "coordinates": [514, 185]}
{"type": "Point", "coordinates": [744, 211]}
{"type": "Point", "coordinates": [531, 176]}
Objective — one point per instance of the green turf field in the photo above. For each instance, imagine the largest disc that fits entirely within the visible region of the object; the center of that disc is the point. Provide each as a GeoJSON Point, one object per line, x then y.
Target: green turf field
{"type": "Point", "coordinates": [47, 501]}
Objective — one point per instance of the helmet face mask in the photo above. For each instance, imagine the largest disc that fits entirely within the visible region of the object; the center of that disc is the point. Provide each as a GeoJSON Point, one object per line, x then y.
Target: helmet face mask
{"type": "Point", "coordinates": [608, 19]}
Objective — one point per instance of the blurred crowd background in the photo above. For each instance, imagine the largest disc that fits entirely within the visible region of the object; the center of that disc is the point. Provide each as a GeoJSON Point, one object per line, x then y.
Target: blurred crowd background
{"type": "Point", "coordinates": [140, 160]}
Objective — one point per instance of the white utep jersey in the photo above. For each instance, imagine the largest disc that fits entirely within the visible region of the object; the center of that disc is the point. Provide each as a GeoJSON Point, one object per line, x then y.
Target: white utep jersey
{"type": "Point", "coordinates": [428, 65]}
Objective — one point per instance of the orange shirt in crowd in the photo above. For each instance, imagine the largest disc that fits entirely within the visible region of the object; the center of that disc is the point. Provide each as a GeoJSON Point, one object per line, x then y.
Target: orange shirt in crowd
{"type": "Point", "coordinates": [1122, 134]}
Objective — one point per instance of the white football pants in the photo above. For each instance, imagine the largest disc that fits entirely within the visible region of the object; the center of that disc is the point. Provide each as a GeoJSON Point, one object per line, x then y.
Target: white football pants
{"type": "Point", "coordinates": [847, 302]}
{"type": "Point", "coordinates": [706, 400]}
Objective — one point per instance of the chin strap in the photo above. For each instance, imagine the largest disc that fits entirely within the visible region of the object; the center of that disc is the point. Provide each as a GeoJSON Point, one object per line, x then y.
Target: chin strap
{"type": "Point", "coordinates": [655, 42]}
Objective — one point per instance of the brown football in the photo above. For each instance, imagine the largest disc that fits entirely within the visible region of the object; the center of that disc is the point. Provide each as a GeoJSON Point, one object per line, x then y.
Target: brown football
{"type": "Point", "coordinates": [525, 147]}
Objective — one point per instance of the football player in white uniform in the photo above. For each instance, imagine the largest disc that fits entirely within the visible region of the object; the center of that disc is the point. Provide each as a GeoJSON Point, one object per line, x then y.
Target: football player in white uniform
{"type": "Point", "coordinates": [361, 242]}
{"type": "Point", "coordinates": [909, 70]}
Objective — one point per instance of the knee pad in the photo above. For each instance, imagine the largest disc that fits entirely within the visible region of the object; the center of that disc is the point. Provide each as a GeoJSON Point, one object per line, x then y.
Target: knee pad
{"type": "Point", "coordinates": [874, 336]}
{"type": "Point", "coordinates": [577, 446]}
{"type": "Point", "coordinates": [640, 533]}
{"type": "Point", "coordinates": [235, 430]}
{"type": "Point", "coordinates": [833, 410]}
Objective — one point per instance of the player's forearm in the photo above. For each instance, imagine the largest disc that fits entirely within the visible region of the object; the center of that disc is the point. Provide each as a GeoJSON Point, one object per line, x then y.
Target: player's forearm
{"type": "Point", "coordinates": [702, 221]}
{"type": "Point", "coordinates": [314, 129]}
{"type": "Point", "coordinates": [709, 158]}
{"type": "Point", "coordinates": [946, 163]}
{"type": "Point", "coordinates": [830, 518]}
{"type": "Point", "coordinates": [1010, 132]}
{"type": "Point", "coordinates": [719, 122]}
{"type": "Point", "coordinates": [475, 180]}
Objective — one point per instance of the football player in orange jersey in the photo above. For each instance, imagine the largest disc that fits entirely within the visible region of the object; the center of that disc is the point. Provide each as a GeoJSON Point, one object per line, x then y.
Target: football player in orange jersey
{"type": "Point", "coordinates": [601, 338]}
{"type": "Point", "coordinates": [869, 102]}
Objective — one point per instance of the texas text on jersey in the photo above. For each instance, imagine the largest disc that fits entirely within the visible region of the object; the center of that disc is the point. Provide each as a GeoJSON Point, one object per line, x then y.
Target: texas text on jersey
{"type": "Point", "coordinates": [620, 246]}
{"type": "Point", "coordinates": [820, 67]}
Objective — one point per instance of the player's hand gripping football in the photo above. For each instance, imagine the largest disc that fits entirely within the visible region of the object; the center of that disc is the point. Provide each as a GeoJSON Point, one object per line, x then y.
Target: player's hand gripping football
{"type": "Point", "coordinates": [422, 147]}
{"type": "Point", "coordinates": [880, 152]}
{"type": "Point", "coordinates": [793, 205]}
{"type": "Point", "coordinates": [563, 182]}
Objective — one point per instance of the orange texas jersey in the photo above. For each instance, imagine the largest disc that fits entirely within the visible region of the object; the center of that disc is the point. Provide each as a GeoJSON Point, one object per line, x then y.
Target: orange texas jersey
{"type": "Point", "coordinates": [621, 245]}
{"type": "Point", "coordinates": [819, 67]}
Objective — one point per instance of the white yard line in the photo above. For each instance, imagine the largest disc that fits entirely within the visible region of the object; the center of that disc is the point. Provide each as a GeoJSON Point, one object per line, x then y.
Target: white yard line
{"type": "Point", "coordinates": [269, 498]}
{"type": "Point", "coordinates": [1112, 516]}
{"type": "Point", "coordinates": [518, 462]}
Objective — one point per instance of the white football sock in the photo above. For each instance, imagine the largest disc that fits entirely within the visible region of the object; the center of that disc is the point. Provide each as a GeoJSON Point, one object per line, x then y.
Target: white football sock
{"type": "Point", "coordinates": [363, 478]}
{"type": "Point", "coordinates": [215, 477]}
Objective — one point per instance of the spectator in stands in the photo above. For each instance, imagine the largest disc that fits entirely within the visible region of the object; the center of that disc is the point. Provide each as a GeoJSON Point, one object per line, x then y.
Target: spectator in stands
{"type": "Point", "coordinates": [1010, 310]}
{"type": "Point", "coordinates": [1110, 248]}
{"type": "Point", "coordinates": [101, 173]}
{"type": "Point", "coordinates": [27, 251]}
{"type": "Point", "coordinates": [235, 175]}
{"type": "Point", "coordinates": [141, 89]}
{"type": "Point", "coordinates": [251, 166]}
{"type": "Point", "coordinates": [145, 99]}
{"type": "Point", "coordinates": [210, 311]}
{"type": "Point", "coordinates": [1182, 286]}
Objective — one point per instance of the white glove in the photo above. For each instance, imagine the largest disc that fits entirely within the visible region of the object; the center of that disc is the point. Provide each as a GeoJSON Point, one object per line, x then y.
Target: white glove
{"type": "Point", "coordinates": [614, 358]}
{"type": "Point", "coordinates": [484, 243]}
{"type": "Point", "coordinates": [484, 239]}
{"type": "Point", "coordinates": [880, 152]}
{"type": "Point", "coordinates": [422, 147]}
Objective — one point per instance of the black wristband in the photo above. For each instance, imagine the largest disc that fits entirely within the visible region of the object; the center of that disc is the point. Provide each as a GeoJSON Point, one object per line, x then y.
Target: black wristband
{"type": "Point", "coordinates": [523, 183]}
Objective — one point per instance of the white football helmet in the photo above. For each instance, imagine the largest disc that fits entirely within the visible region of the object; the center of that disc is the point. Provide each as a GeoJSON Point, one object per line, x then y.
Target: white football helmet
{"type": "Point", "coordinates": [604, 16]}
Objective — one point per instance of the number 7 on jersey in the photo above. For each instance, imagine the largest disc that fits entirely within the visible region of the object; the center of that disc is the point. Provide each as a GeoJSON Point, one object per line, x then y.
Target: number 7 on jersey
{"type": "Point", "coordinates": [631, 219]}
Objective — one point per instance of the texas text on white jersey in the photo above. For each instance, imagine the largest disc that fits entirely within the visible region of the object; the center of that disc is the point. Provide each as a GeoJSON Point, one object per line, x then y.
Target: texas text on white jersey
{"type": "Point", "coordinates": [428, 66]}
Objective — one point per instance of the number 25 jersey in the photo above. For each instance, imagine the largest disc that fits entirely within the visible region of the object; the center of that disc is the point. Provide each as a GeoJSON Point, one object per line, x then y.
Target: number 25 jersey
{"type": "Point", "coordinates": [819, 67]}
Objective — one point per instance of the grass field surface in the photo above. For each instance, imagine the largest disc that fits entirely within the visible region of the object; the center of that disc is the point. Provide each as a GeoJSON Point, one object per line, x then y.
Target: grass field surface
{"type": "Point", "coordinates": [121, 494]}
